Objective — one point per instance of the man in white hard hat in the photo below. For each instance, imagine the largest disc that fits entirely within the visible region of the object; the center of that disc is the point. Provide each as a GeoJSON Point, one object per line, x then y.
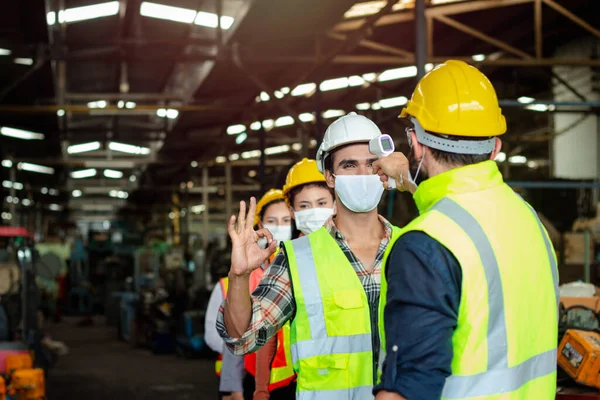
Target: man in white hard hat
{"type": "Point", "coordinates": [327, 283]}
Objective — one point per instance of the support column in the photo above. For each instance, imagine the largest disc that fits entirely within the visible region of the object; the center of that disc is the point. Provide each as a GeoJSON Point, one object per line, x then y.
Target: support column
{"type": "Point", "coordinates": [421, 37]}
{"type": "Point", "coordinates": [318, 117]}
{"type": "Point", "coordinates": [228, 196]}
{"type": "Point", "coordinates": [13, 195]}
{"type": "Point", "coordinates": [261, 168]}
{"type": "Point", "coordinates": [205, 203]}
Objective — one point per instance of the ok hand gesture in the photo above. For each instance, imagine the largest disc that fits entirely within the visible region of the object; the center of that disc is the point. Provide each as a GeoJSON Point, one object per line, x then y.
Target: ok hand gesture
{"type": "Point", "coordinates": [246, 255]}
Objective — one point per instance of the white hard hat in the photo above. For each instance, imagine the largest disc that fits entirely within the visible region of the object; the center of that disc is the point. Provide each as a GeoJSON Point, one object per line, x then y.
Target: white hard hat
{"type": "Point", "coordinates": [351, 128]}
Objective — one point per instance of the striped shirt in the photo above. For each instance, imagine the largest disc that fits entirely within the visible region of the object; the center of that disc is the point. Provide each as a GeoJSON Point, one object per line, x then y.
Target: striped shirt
{"type": "Point", "coordinates": [273, 301]}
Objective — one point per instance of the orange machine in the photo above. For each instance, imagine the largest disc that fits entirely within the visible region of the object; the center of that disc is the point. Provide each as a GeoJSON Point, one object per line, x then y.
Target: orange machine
{"type": "Point", "coordinates": [28, 384]}
{"type": "Point", "coordinates": [579, 356]}
{"type": "Point", "coordinates": [18, 361]}
{"type": "Point", "coordinates": [2, 389]}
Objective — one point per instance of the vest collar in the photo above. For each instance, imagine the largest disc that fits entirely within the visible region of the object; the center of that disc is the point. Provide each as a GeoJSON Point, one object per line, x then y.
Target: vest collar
{"type": "Point", "coordinates": [468, 179]}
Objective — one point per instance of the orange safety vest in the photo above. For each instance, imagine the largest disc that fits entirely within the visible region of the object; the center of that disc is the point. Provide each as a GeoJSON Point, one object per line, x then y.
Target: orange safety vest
{"type": "Point", "coordinates": [282, 370]}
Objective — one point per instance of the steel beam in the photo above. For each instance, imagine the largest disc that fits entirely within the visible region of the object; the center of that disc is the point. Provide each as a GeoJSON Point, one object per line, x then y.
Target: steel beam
{"type": "Point", "coordinates": [420, 37]}
{"type": "Point", "coordinates": [122, 96]}
{"type": "Point", "coordinates": [539, 37]}
{"type": "Point", "coordinates": [574, 18]}
{"type": "Point", "coordinates": [444, 9]}
{"type": "Point", "coordinates": [369, 44]}
{"type": "Point", "coordinates": [146, 161]}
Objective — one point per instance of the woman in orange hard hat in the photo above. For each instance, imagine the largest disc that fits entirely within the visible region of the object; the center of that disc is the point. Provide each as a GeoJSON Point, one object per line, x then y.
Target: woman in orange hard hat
{"type": "Point", "coordinates": [311, 202]}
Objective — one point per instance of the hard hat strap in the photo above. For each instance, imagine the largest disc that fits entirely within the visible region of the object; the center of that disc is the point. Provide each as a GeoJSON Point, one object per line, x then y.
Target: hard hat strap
{"type": "Point", "coordinates": [459, 146]}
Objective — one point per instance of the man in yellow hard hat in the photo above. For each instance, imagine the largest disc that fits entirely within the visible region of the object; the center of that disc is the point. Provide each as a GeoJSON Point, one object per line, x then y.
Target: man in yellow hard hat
{"type": "Point", "coordinates": [469, 296]}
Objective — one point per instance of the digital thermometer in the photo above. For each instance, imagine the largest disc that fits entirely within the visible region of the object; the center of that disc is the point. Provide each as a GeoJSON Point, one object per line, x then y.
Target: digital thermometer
{"type": "Point", "coordinates": [383, 146]}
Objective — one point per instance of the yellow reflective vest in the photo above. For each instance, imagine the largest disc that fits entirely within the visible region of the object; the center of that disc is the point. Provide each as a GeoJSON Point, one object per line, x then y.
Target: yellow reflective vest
{"type": "Point", "coordinates": [331, 334]}
{"type": "Point", "coordinates": [506, 336]}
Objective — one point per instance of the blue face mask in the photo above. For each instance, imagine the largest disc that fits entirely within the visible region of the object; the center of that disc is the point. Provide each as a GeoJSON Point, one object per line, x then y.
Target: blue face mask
{"type": "Point", "coordinates": [359, 193]}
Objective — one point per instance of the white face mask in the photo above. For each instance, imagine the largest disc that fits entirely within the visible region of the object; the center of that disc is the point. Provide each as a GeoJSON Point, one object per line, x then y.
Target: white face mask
{"type": "Point", "coordinates": [308, 221]}
{"type": "Point", "coordinates": [359, 193]}
{"type": "Point", "coordinates": [281, 233]}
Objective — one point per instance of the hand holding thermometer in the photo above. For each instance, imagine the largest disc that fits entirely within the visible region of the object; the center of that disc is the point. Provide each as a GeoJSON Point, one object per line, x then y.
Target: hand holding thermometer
{"type": "Point", "coordinates": [383, 146]}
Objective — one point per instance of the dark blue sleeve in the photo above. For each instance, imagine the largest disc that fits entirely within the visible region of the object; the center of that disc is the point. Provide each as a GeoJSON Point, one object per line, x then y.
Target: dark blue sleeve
{"type": "Point", "coordinates": [424, 281]}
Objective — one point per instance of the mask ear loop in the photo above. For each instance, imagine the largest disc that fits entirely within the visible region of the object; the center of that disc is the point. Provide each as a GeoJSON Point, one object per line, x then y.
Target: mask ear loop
{"type": "Point", "coordinates": [410, 177]}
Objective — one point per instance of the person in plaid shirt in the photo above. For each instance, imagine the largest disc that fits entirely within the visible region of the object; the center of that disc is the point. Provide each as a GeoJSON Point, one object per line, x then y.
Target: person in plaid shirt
{"type": "Point", "coordinates": [246, 322]}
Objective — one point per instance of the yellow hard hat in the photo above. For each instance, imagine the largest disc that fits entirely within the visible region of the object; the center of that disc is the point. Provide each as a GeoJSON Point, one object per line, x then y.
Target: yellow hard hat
{"type": "Point", "coordinates": [456, 99]}
{"type": "Point", "coordinates": [303, 172]}
{"type": "Point", "coordinates": [271, 195]}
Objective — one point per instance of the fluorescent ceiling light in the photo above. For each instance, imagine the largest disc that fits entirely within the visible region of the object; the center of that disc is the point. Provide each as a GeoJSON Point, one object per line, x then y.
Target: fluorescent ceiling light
{"type": "Point", "coordinates": [210, 20]}
{"type": "Point", "coordinates": [255, 126]}
{"type": "Point", "coordinates": [133, 178]}
{"type": "Point", "coordinates": [161, 112]}
{"type": "Point", "coordinates": [333, 113]}
{"type": "Point", "coordinates": [241, 138]}
{"type": "Point", "coordinates": [370, 77]}
{"type": "Point", "coordinates": [500, 157]}
{"type": "Point", "coordinates": [304, 89]}
{"type": "Point", "coordinates": [363, 106]}
{"type": "Point", "coordinates": [264, 96]}
{"type": "Point", "coordinates": [198, 209]}
{"type": "Point", "coordinates": [21, 134]}
{"type": "Point", "coordinates": [53, 192]}
{"type": "Point", "coordinates": [97, 207]}
{"type": "Point", "coordinates": [83, 173]}
{"type": "Point", "coordinates": [84, 13]}
{"type": "Point", "coordinates": [285, 90]}
{"type": "Point", "coordinates": [334, 84]}
{"type": "Point", "coordinates": [234, 157]}
{"type": "Point", "coordinates": [44, 190]}
{"type": "Point", "coordinates": [532, 164]}
{"type": "Point", "coordinates": [250, 154]}
{"type": "Point", "coordinates": [193, 164]}
{"type": "Point", "coordinates": [97, 104]}
{"type": "Point", "coordinates": [114, 174]}
{"type": "Point", "coordinates": [54, 207]}
{"type": "Point", "coordinates": [24, 61]}
{"type": "Point", "coordinates": [525, 99]}
{"type": "Point", "coordinates": [128, 148]}
{"type": "Point", "coordinates": [537, 107]}
{"type": "Point", "coordinates": [517, 160]}
{"type": "Point", "coordinates": [397, 73]}
{"type": "Point", "coordinates": [7, 163]}
{"type": "Point", "coordinates": [130, 105]}
{"type": "Point", "coordinates": [170, 13]}
{"type": "Point", "coordinates": [376, 106]}
{"type": "Point", "coordinates": [393, 102]}
{"type": "Point", "coordinates": [120, 194]}
{"type": "Point", "coordinates": [297, 146]}
{"type": "Point", "coordinates": [35, 168]}
{"type": "Point", "coordinates": [121, 104]}
{"type": "Point", "coordinates": [284, 121]}
{"type": "Point", "coordinates": [76, 193]}
{"type": "Point", "coordinates": [5, 52]}
{"type": "Point", "coordinates": [14, 185]}
{"type": "Point", "coordinates": [306, 117]}
{"type": "Point", "coordinates": [26, 202]}
{"type": "Point", "coordinates": [172, 114]}
{"type": "Point", "coordinates": [355, 80]}
{"type": "Point", "coordinates": [277, 149]}
{"type": "Point", "coordinates": [60, 113]}
{"type": "Point", "coordinates": [268, 124]}
{"type": "Point", "coordinates": [221, 159]}
{"type": "Point", "coordinates": [83, 147]}
{"type": "Point", "coordinates": [236, 129]}
{"type": "Point", "coordinates": [478, 57]}
{"type": "Point", "coordinates": [278, 94]}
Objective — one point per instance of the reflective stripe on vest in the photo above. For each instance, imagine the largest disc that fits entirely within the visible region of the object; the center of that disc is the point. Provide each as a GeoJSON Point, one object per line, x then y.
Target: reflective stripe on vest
{"type": "Point", "coordinates": [325, 364]}
{"type": "Point", "coordinates": [498, 378]}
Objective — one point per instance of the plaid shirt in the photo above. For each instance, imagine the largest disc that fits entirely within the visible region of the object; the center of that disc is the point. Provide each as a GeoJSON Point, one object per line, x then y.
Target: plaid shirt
{"type": "Point", "coordinates": [273, 301]}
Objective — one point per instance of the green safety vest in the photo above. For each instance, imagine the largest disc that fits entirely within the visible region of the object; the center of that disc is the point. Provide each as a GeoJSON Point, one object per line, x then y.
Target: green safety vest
{"type": "Point", "coordinates": [331, 338]}
{"type": "Point", "coordinates": [506, 335]}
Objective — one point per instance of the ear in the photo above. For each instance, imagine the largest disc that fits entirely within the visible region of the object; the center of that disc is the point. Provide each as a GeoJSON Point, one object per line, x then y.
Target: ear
{"type": "Point", "coordinates": [497, 148]}
{"type": "Point", "coordinates": [329, 179]}
{"type": "Point", "coordinates": [417, 148]}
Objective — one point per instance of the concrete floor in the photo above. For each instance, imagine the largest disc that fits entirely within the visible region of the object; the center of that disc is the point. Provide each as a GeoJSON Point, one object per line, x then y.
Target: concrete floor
{"type": "Point", "coordinates": [99, 367]}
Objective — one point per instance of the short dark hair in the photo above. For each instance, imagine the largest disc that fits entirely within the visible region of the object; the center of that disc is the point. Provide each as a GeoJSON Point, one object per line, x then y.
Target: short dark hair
{"type": "Point", "coordinates": [329, 157]}
{"type": "Point", "coordinates": [455, 159]}
{"type": "Point", "coordinates": [294, 191]}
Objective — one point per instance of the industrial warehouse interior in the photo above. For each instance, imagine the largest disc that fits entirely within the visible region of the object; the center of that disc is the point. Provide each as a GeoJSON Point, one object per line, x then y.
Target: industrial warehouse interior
{"type": "Point", "coordinates": [132, 130]}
